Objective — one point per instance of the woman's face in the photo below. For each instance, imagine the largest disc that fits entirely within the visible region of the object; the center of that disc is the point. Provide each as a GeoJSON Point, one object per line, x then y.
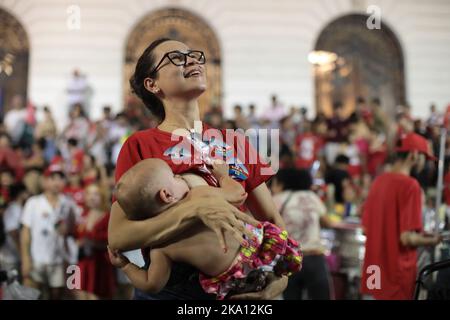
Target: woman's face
{"type": "Point", "coordinates": [87, 162]}
{"type": "Point", "coordinates": [4, 142]}
{"type": "Point", "coordinates": [6, 179]}
{"type": "Point", "coordinates": [93, 197]}
{"type": "Point", "coordinates": [177, 82]}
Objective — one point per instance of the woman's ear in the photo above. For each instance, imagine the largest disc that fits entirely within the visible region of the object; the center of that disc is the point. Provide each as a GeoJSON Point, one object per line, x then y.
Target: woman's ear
{"type": "Point", "coordinates": [413, 156]}
{"type": "Point", "coordinates": [166, 196]}
{"type": "Point", "coordinates": [151, 85]}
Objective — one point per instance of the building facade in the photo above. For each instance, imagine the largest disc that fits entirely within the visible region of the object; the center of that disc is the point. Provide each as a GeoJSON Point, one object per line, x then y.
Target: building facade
{"type": "Point", "coordinates": [258, 47]}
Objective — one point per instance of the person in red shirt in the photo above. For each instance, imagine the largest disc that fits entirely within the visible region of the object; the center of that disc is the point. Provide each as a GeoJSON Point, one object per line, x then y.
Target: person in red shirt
{"type": "Point", "coordinates": [392, 221]}
{"type": "Point", "coordinates": [447, 187]}
{"type": "Point", "coordinates": [169, 78]}
{"type": "Point", "coordinates": [97, 274]}
{"type": "Point", "coordinates": [308, 146]}
{"type": "Point", "coordinates": [74, 188]}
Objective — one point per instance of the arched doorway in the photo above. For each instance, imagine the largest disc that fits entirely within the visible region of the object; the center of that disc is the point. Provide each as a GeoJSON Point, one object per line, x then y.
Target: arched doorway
{"type": "Point", "coordinates": [14, 54]}
{"type": "Point", "coordinates": [180, 25]}
{"type": "Point", "coordinates": [368, 63]}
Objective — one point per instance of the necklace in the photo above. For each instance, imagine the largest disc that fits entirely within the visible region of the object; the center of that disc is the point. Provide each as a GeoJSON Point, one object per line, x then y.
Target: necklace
{"type": "Point", "coordinates": [168, 127]}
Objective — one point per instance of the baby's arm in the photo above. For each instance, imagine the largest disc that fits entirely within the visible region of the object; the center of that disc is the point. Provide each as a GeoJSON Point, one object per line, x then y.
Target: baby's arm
{"type": "Point", "coordinates": [152, 280]}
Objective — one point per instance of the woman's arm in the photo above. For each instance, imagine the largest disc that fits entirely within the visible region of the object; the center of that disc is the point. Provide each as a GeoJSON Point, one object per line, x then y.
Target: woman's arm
{"type": "Point", "coordinates": [261, 205]}
{"type": "Point", "coordinates": [216, 213]}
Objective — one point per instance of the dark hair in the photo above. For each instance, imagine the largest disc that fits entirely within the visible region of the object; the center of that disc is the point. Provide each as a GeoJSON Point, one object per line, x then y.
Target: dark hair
{"type": "Point", "coordinates": [337, 105]}
{"type": "Point", "coordinates": [92, 158]}
{"type": "Point", "coordinates": [72, 142]}
{"type": "Point", "coordinates": [121, 115]}
{"type": "Point", "coordinates": [360, 100]}
{"type": "Point", "coordinates": [376, 101]}
{"type": "Point", "coordinates": [16, 189]}
{"type": "Point", "coordinates": [284, 119]}
{"type": "Point", "coordinates": [400, 156]}
{"type": "Point", "coordinates": [342, 158]}
{"type": "Point", "coordinates": [294, 179]}
{"type": "Point", "coordinates": [144, 66]}
{"type": "Point", "coordinates": [6, 169]}
{"type": "Point", "coordinates": [42, 143]}
{"type": "Point", "coordinates": [79, 106]}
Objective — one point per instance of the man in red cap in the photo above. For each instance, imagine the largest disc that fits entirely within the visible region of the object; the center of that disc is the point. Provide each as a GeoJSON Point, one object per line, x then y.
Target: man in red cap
{"type": "Point", "coordinates": [392, 221]}
{"type": "Point", "coordinates": [47, 224]}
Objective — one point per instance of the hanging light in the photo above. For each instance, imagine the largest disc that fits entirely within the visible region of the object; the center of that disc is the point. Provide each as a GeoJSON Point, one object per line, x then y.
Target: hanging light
{"type": "Point", "coordinates": [6, 64]}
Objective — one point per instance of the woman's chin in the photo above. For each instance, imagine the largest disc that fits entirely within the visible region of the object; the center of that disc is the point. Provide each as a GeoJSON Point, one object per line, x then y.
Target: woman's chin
{"type": "Point", "coordinates": [196, 91]}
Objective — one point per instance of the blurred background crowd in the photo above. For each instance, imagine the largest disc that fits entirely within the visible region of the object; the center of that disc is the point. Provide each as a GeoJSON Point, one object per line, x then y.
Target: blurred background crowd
{"type": "Point", "coordinates": [330, 161]}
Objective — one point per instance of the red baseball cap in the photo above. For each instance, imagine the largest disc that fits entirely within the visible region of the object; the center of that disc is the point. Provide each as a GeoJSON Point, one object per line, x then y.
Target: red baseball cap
{"type": "Point", "coordinates": [415, 142]}
{"type": "Point", "coordinates": [54, 168]}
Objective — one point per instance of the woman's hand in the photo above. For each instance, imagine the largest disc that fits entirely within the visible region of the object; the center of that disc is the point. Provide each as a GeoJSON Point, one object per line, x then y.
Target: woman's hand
{"type": "Point", "coordinates": [274, 288]}
{"type": "Point", "coordinates": [214, 211]}
{"type": "Point", "coordinates": [237, 199]}
{"type": "Point", "coordinates": [220, 216]}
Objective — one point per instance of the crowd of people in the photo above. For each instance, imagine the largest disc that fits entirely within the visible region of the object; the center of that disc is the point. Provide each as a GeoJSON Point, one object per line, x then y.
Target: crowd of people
{"type": "Point", "coordinates": [345, 151]}
{"type": "Point", "coordinates": [56, 185]}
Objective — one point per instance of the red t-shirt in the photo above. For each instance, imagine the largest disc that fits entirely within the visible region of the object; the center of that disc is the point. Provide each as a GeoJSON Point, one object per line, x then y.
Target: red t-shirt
{"type": "Point", "coordinates": [155, 143]}
{"type": "Point", "coordinates": [393, 206]}
{"type": "Point", "coordinates": [76, 193]}
{"type": "Point", "coordinates": [375, 161]}
{"type": "Point", "coordinates": [447, 189]}
{"type": "Point", "coordinates": [308, 148]}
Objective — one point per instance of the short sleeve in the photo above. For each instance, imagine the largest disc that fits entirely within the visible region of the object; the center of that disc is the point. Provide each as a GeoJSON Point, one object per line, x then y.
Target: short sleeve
{"type": "Point", "coordinates": [27, 216]}
{"type": "Point", "coordinates": [12, 218]}
{"type": "Point", "coordinates": [410, 213]}
{"type": "Point", "coordinates": [260, 171]}
{"type": "Point", "coordinates": [129, 155]}
{"type": "Point", "coordinates": [318, 204]}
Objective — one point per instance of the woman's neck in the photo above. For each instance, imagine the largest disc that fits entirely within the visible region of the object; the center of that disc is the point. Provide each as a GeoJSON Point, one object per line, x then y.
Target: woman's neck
{"type": "Point", "coordinates": [180, 115]}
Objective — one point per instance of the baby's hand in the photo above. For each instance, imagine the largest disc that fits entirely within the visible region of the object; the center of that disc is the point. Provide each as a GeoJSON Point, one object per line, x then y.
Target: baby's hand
{"type": "Point", "coordinates": [117, 259]}
{"type": "Point", "coordinates": [220, 169]}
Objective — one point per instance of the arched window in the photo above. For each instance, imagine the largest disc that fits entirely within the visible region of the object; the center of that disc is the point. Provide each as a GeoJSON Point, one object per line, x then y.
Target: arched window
{"type": "Point", "coordinates": [367, 63]}
{"type": "Point", "coordinates": [14, 53]}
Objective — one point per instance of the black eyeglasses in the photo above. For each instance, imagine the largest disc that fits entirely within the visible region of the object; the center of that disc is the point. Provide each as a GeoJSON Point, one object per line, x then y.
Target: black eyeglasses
{"type": "Point", "coordinates": [179, 58]}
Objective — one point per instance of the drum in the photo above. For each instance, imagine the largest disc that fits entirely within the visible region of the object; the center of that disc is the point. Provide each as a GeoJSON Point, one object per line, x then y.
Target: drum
{"type": "Point", "coordinates": [350, 246]}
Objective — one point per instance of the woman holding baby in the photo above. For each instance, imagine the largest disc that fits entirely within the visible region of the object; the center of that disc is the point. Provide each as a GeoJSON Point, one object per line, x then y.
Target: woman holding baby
{"type": "Point", "coordinates": [169, 77]}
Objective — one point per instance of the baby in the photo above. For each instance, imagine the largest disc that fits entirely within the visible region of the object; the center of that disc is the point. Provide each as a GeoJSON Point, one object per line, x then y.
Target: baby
{"type": "Point", "coordinates": [150, 187]}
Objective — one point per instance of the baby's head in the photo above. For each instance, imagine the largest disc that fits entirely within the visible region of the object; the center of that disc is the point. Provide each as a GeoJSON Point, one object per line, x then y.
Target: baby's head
{"type": "Point", "coordinates": [149, 188]}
